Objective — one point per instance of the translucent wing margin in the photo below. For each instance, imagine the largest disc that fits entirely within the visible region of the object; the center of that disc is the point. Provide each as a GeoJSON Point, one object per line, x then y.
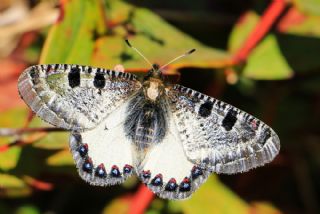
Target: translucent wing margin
{"type": "Point", "coordinates": [218, 136]}
{"type": "Point", "coordinates": [74, 97]}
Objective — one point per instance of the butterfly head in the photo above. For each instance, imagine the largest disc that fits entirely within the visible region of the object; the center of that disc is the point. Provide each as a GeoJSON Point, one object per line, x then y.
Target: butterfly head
{"type": "Point", "coordinates": [155, 72]}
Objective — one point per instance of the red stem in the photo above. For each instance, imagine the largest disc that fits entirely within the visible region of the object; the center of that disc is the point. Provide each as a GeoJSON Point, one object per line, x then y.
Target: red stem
{"type": "Point", "coordinates": [267, 20]}
{"type": "Point", "coordinates": [141, 200]}
{"type": "Point", "coordinates": [14, 132]}
{"type": "Point", "coordinates": [38, 184]}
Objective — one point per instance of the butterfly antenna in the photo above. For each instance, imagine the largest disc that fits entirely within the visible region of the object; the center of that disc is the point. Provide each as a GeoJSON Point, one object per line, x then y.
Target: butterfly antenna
{"type": "Point", "coordinates": [145, 59]}
{"type": "Point", "coordinates": [177, 58]}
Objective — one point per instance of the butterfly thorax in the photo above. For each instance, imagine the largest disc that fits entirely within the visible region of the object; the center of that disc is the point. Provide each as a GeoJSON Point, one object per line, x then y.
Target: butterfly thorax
{"type": "Point", "coordinates": [153, 89]}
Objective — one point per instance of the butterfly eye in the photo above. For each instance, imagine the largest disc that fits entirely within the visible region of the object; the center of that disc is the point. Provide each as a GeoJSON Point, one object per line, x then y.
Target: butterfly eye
{"type": "Point", "coordinates": [155, 67]}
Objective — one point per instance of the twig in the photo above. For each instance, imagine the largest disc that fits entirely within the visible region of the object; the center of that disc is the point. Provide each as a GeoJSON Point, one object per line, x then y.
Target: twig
{"type": "Point", "coordinates": [38, 184]}
{"type": "Point", "coordinates": [141, 200]}
{"type": "Point", "coordinates": [263, 26]}
{"type": "Point", "coordinates": [31, 138]}
{"type": "Point", "coordinates": [12, 132]}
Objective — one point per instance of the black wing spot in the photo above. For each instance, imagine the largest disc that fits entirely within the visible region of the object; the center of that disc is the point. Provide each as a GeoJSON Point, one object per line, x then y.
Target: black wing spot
{"type": "Point", "coordinates": [205, 109]}
{"type": "Point", "coordinates": [266, 134]}
{"type": "Point", "coordinates": [99, 80]}
{"type": "Point", "coordinates": [74, 77]}
{"type": "Point", "coordinates": [229, 120]}
{"type": "Point", "coordinates": [33, 74]}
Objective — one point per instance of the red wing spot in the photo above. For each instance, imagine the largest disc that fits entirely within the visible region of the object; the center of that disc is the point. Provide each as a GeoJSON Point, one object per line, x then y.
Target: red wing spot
{"type": "Point", "coordinates": [101, 165]}
{"type": "Point", "coordinates": [172, 180]}
{"type": "Point", "coordinates": [254, 125]}
{"type": "Point", "coordinates": [186, 180]}
{"type": "Point", "coordinates": [115, 167]}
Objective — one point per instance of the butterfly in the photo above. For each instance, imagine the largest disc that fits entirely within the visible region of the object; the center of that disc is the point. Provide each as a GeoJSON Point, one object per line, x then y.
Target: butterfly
{"type": "Point", "coordinates": [170, 136]}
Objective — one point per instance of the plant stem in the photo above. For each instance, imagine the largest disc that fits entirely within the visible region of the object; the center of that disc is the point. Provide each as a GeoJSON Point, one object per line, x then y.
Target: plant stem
{"type": "Point", "coordinates": [267, 20]}
{"type": "Point", "coordinates": [141, 200]}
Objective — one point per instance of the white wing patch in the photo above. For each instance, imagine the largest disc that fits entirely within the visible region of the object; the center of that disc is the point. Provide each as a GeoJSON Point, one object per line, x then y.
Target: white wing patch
{"type": "Point", "coordinates": [218, 136]}
{"type": "Point", "coordinates": [167, 171]}
{"type": "Point", "coordinates": [74, 97]}
{"type": "Point", "coordinates": [104, 155]}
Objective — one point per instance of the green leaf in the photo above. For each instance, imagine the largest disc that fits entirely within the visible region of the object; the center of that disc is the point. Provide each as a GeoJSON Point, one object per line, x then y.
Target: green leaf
{"type": "Point", "coordinates": [263, 208]}
{"type": "Point", "coordinates": [308, 6]}
{"type": "Point", "coordinates": [307, 26]}
{"type": "Point", "coordinates": [258, 63]}
{"type": "Point", "coordinates": [9, 158]}
{"type": "Point", "coordinates": [60, 158]}
{"type": "Point", "coordinates": [12, 118]}
{"type": "Point", "coordinates": [212, 197]}
{"type": "Point", "coordinates": [118, 205]}
{"type": "Point", "coordinates": [300, 41]}
{"type": "Point", "coordinates": [267, 62]}
{"type": "Point", "coordinates": [53, 140]}
{"type": "Point", "coordinates": [27, 209]}
{"type": "Point", "coordinates": [159, 44]}
{"type": "Point", "coordinates": [297, 23]}
{"type": "Point", "coordinates": [13, 186]}
{"type": "Point", "coordinates": [10, 181]}
{"type": "Point", "coordinates": [71, 40]}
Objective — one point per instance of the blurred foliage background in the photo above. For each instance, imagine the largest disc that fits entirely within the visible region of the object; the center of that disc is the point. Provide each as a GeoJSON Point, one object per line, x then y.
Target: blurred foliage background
{"type": "Point", "coordinates": [279, 82]}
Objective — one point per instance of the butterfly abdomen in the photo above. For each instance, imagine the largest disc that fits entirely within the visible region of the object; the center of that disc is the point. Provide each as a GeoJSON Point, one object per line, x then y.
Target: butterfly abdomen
{"type": "Point", "coordinates": [146, 121]}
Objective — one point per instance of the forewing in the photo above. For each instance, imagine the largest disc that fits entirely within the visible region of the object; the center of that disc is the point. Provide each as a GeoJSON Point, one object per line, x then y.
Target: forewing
{"type": "Point", "coordinates": [104, 155]}
{"type": "Point", "coordinates": [75, 97]}
{"type": "Point", "coordinates": [166, 169]}
{"type": "Point", "coordinates": [218, 136]}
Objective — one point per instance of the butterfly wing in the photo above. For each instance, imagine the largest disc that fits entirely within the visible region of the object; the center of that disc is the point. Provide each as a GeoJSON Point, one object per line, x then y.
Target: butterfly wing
{"type": "Point", "coordinates": [75, 97]}
{"type": "Point", "coordinates": [218, 136]}
{"type": "Point", "coordinates": [166, 169]}
{"type": "Point", "coordinates": [104, 155]}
